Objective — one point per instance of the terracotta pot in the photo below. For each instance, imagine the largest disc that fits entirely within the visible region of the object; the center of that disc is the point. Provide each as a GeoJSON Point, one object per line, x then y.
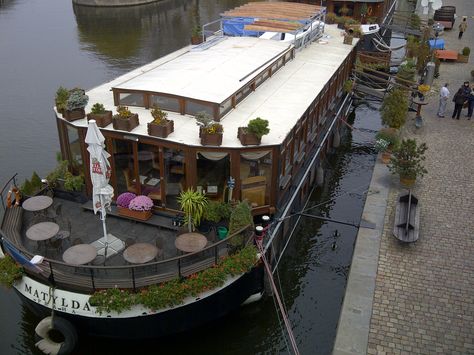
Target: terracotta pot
{"type": "Point", "coordinates": [196, 40]}
{"type": "Point", "coordinates": [247, 138]}
{"type": "Point", "coordinates": [73, 115]}
{"type": "Point", "coordinates": [161, 131]}
{"type": "Point", "coordinates": [140, 215]}
{"type": "Point", "coordinates": [385, 156]}
{"type": "Point", "coordinates": [126, 124]}
{"type": "Point", "coordinates": [102, 119]}
{"type": "Point", "coordinates": [407, 181]}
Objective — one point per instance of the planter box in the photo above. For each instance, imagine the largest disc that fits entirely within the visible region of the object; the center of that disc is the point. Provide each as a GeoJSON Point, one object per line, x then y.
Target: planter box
{"type": "Point", "coordinates": [247, 138]}
{"type": "Point", "coordinates": [102, 119]}
{"type": "Point", "coordinates": [140, 215]}
{"type": "Point", "coordinates": [196, 40]}
{"type": "Point", "coordinates": [210, 139]}
{"type": "Point", "coordinates": [463, 58]}
{"type": "Point", "coordinates": [73, 115]}
{"type": "Point", "coordinates": [126, 124]}
{"type": "Point", "coordinates": [161, 131]}
{"type": "Point", "coordinates": [348, 39]}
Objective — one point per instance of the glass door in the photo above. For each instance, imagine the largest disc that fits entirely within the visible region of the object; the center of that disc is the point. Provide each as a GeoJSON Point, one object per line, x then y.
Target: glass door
{"type": "Point", "coordinates": [125, 172]}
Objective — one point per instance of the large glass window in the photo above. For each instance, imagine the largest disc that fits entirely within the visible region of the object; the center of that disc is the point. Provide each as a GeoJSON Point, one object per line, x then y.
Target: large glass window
{"type": "Point", "coordinates": [256, 177]}
{"type": "Point", "coordinates": [124, 167]}
{"type": "Point", "coordinates": [193, 107]}
{"type": "Point", "coordinates": [213, 171]}
{"type": "Point", "coordinates": [131, 99]}
{"type": "Point", "coordinates": [175, 176]}
{"type": "Point", "coordinates": [166, 103]}
{"type": "Point", "coordinates": [75, 159]}
{"type": "Point", "coordinates": [149, 171]}
{"type": "Point", "coordinates": [225, 107]}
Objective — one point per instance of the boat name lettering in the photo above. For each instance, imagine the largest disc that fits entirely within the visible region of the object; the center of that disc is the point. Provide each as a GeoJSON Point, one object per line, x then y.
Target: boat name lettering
{"type": "Point", "coordinates": [63, 304]}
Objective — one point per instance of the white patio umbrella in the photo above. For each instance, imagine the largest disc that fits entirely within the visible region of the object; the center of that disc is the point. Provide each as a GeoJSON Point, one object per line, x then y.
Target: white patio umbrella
{"type": "Point", "coordinates": [100, 170]}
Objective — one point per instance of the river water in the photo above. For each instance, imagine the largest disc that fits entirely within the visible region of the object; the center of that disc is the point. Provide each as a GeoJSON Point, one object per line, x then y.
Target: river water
{"type": "Point", "coordinates": [48, 43]}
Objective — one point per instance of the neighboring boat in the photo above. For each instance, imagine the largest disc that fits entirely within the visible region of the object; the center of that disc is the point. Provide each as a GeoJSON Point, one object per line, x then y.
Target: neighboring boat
{"type": "Point", "coordinates": [282, 73]}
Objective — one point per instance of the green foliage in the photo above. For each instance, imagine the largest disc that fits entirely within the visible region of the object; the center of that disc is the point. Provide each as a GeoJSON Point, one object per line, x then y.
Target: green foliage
{"type": "Point", "coordinates": [159, 115]}
{"type": "Point", "coordinates": [77, 99]}
{"type": "Point", "coordinates": [412, 45]}
{"type": "Point", "coordinates": [258, 126]}
{"type": "Point", "coordinates": [407, 72]}
{"type": "Point", "coordinates": [36, 180]}
{"type": "Point", "coordinates": [98, 109]}
{"type": "Point", "coordinates": [394, 109]}
{"type": "Point", "coordinates": [123, 112]}
{"type": "Point", "coordinates": [240, 217]}
{"type": "Point", "coordinates": [415, 21]}
{"type": "Point", "coordinates": [62, 94]}
{"type": "Point", "coordinates": [347, 86]}
{"type": "Point", "coordinates": [10, 271]}
{"type": "Point", "coordinates": [423, 56]}
{"type": "Point", "coordinates": [196, 31]}
{"type": "Point", "coordinates": [381, 145]}
{"type": "Point", "coordinates": [207, 124]}
{"type": "Point", "coordinates": [389, 135]}
{"type": "Point", "coordinates": [466, 51]}
{"type": "Point", "coordinates": [407, 160]}
{"type": "Point", "coordinates": [193, 204]}
{"type": "Point", "coordinates": [173, 293]}
{"type": "Point", "coordinates": [73, 182]}
{"type": "Point", "coordinates": [330, 17]}
{"type": "Point", "coordinates": [32, 186]}
{"type": "Point", "coordinates": [217, 211]}
{"type": "Point", "coordinates": [363, 9]}
{"type": "Point", "coordinates": [343, 11]}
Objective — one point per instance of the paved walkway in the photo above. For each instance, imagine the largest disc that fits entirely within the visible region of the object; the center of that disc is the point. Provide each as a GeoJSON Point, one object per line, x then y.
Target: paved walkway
{"type": "Point", "coordinates": [424, 292]}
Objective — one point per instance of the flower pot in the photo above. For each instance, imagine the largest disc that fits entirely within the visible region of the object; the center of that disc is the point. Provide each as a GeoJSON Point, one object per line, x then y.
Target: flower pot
{"type": "Point", "coordinates": [210, 139]}
{"type": "Point", "coordinates": [126, 124]}
{"type": "Point", "coordinates": [140, 215]}
{"type": "Point", "coordinates": [385, 156]}
{"type": "Point", "coordinates": [247, 138]}
{"type": "Point", "coordinates": [73, 115]}
{"type": "Point", "coordinates": [407, 181]}
{"type": "Point", "coordinates": [463, 58]}
{"type": "Point", "coordinates": [159, 130]}
{"type": "Point", "coordinates": [196, 40]}
{"type": "Point", "coordinates": [102, 119]}
{"type": "Point", "coordinates": [348, 39]}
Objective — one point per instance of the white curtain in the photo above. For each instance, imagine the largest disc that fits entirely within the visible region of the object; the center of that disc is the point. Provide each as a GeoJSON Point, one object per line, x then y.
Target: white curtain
{"type": "Point", "coordinates": [254, 155]}
{"type": "Point", "coordinates": [214, 155]}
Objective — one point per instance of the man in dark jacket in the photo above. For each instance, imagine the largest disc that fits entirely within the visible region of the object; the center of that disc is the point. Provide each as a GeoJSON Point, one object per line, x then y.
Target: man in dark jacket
{"type": "Point", "coordinates": [470, 107]}
{"type": "Point", "coordinates": [458, 100]}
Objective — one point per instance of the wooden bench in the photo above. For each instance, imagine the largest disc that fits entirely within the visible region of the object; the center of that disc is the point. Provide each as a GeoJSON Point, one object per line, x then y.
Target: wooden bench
{"type": "Point", "coordinates": [11, 224]}
{"type": "Point", "coordinates": [407, 218]}
{"type": "Point", "coordinates": [446, 54]}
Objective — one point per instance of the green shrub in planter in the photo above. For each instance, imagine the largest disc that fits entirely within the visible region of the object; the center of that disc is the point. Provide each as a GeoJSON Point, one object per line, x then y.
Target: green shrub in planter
{"type": "Point", "coordinates": [466, 51]}
{"type": "Point", "coordinates": [407, 160]}
{"type": "Point", "coordinates": [98, 109]}
{"type": "Point", "coordinates": [394, 109]}
{"type": "Point", "coordinates": [258, 126]}
{"type": "Point", "coordinates": [62, 94]}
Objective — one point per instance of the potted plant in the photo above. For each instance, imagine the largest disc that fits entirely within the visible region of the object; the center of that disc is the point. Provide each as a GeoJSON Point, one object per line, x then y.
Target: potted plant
{"type": "Point", "coordinates": [68, 185]}
{"type": "Point", "coordinates": [196, 35]}
{"type": "Point", "coordinates": [75, 105]}
{"type": "Point", "coordinates": [348, 86]}
{"type": "Point", "coordinates": [389, 135]}
{"type": "Point", "coordinates": [253, 133]}
{"type": "Point", "coordinates": [125, 120]}
{"type": "Point", "coordinates": [330, 18]}
{"type": "Point", "coordinates": [210, 131]}
{"type": "Point", "coordinates": [363, 12]}
{"type": "Point", "coordinates": [381, 145]}
{"type": "Point", "coordinates": [101, 116]}
{"type": "Point", "coordinates": [60, 100]}
{"type": "Point", "coordinates": [160, 126]}
{"type": "Point", "coordinates": [394, 109]}
{"type": "Point", "coordinates": [463, 57]}
{"type": "Point", "coordinates": [32, 187]}
{"type": "Point", "coordinates": [133, 206]}
{"type": "Point", "coordinates": [193, 204]}
{"type": "Point", "coordinates": [240, 217]}
{"type": "Point", "coordinates": [407, 161]}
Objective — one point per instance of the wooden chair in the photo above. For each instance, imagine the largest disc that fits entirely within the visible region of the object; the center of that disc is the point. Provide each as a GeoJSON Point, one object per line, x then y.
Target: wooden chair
{"type": "Point", "coordinates": [128, 181]}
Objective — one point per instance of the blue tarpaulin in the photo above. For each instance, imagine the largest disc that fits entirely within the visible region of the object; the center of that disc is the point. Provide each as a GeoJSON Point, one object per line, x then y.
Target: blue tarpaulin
{"type": "Point", "coordinates": [235, 26]}
{"type": "Point", "coordinates": [436, 43]}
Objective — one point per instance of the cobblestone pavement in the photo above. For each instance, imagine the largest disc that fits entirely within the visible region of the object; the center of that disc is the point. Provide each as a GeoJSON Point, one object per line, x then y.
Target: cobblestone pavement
{"type": "Point", "coordinates": [424, 294]}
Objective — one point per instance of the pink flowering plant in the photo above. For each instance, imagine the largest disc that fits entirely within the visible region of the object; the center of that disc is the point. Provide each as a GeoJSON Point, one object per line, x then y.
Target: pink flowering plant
{"type": "Point", "coordinates": [123, 200]}
{"type": "Point", "coordinates": [141, 203]}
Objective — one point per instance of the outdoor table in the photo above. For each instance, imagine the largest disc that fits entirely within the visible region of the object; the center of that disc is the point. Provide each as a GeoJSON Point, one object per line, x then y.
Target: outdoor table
{"type": "Point", "coordinates": [80, 254]}
{"type": "Point", "coordinates": [37, 203]}
{"type": "Point", "coordinates": [190, 242]}
{"type": "Point", "coordinates": [42, 231]}
{"type": "Point", "coordinates": [140, 253]}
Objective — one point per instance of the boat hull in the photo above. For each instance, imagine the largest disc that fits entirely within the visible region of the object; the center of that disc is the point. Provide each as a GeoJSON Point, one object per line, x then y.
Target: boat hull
{"type": "Point", "coordinates": [171, 321]}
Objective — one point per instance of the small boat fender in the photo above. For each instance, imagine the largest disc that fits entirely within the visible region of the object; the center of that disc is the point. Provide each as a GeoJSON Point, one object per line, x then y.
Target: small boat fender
{"type": "Point", "coordinates": [48, 345]}
{"type": "Point", "coordinates": [13, 191]}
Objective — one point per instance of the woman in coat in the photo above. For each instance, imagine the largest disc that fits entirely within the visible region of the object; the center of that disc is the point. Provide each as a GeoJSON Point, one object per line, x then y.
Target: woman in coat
{"type": "Point", "coordinates": [458, 100]}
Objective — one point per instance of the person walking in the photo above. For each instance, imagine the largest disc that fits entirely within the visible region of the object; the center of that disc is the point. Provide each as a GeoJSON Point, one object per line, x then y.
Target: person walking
{"type": "Point", "coordinates": [470, 107]}
{"type": "Point", "coordinates": [443, 100]}
{"type": "Point", "coordinates": [458, 100]}
{"type": "Point", "coordinates": [462, 27]}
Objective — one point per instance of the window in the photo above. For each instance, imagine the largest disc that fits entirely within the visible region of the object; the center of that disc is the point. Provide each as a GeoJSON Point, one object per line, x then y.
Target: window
{"type": "Point", "coordinates": [255, 176]}
{"type": "Point", "coordinates": [225, 107]}
{"type": "Point", "coordinates": [166, 103]}
{"type": "Point", "coordinates": [175, 174]}
{"type": "Point", "coordinates": [77, 164]}
{"type": "Point", "coordinates": [213, 170]}
{"type": "Point", "coordinates": [131, 99]}
{"type": "Point", "coordinates": [193, 107]}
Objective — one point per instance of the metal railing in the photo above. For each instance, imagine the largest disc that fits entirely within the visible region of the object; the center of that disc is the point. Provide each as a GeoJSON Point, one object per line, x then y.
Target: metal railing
{"type": "Point", "coordinates": [6, 186]}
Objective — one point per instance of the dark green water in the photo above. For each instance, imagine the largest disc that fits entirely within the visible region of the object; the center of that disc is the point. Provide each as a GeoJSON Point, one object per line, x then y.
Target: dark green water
{"type": "Point", "coordinates": [47, 43]}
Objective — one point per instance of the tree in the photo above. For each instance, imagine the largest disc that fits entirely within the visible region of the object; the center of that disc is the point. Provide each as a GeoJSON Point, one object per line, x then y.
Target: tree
{"type": "Point", "coordinates": [394, 109]}
{"type": "Point", "coordinates": [193, 204]}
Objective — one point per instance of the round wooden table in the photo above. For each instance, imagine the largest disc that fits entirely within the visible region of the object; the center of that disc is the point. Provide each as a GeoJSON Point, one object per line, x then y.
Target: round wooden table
{"type": "Point", "coordinates": [190, 242]}
{"type": "Point", "coordinates": [37, 203]}
{"type": "Point", "coordinates": [80, 254]}
{"type": "Point", "coordinates": [42, 231]}
{"type": "Point", "coordinates": [140, 253]}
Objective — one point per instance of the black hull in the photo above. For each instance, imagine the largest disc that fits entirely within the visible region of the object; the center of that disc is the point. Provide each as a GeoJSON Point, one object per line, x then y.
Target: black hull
{"type": "Point", "coordinates": [172, 321]}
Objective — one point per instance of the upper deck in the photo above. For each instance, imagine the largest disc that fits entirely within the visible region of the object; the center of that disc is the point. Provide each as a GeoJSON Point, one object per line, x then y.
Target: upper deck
{"type": "Point", "coordinates": [237, 70]}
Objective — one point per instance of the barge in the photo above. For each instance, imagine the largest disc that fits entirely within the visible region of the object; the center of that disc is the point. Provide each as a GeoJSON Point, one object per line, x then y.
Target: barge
{"type": "Point", "coordinates": [275, 61]}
